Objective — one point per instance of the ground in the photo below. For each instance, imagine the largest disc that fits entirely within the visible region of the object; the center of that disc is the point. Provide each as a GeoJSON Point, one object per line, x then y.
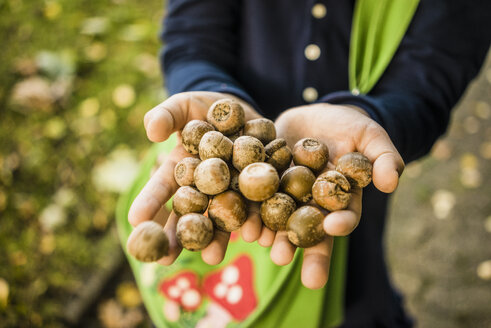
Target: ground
{"type": "Point", "coordinates": [76, 79]}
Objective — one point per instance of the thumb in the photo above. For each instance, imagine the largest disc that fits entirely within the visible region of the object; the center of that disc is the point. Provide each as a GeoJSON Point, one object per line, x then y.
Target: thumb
{"type": "Point", "coordinates": [173, 114]}
{"type": "Point", "coordinates": [388, 164]}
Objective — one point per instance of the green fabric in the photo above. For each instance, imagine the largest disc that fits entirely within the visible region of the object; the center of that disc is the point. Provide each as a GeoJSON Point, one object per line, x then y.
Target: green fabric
{"type": "Point", "coordinates": [377, 29]}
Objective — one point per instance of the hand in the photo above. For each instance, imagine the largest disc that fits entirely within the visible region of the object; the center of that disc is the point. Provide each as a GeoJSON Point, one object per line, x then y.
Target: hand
{"type": "Point", "coordinates": [160, 122]}
{"type": "Point", "coordinates": [343, 129]}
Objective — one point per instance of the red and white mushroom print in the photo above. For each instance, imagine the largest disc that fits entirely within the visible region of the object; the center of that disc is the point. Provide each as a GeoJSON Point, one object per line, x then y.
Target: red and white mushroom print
{"type": "Point", "coordinates": [232, 288]}
{"type": "Point", "coordinates": [183, 289]}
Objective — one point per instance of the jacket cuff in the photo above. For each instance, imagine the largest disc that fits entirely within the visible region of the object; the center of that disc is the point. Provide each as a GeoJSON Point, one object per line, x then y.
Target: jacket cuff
{"type": "Point", "coordinates": [204, 76]}
{"type": "Point", "coordinates": [366, 103]}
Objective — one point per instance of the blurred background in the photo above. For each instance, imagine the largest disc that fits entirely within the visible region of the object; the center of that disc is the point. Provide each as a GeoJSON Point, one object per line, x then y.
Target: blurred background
{"type": "Point", "coordinates": [76, 78]}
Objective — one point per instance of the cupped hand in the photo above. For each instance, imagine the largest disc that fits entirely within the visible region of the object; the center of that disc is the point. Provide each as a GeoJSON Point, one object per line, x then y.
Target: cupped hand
{"type": "Point", "coordinates": [343, 129]}
{"type": "Point", "coordinates": [160, 122]}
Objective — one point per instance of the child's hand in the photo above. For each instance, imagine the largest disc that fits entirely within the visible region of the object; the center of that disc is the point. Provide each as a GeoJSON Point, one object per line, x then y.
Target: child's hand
{"type": "Point", "coordinates": [343, 129]}
{"type": "Point", "coordinates": [160, 122]}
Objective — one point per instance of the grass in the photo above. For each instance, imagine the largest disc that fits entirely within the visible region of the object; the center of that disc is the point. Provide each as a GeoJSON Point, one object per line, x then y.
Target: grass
{"type": "Point", "coordinates": [62, 66]}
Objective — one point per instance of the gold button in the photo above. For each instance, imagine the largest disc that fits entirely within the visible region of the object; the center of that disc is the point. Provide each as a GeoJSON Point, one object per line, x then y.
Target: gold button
{"type": "Point", "coordinates": [312, 52]}
{"type": "Point", "coordinates": [309, 94]}
{"type": "Point", "coordinates": [319, 11]}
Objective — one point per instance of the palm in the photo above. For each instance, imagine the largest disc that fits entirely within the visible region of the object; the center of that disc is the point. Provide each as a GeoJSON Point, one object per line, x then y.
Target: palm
{"type": "Point", "coordinates": [160, 122]}
{"type": "Point", "coordinates": [343, 130]}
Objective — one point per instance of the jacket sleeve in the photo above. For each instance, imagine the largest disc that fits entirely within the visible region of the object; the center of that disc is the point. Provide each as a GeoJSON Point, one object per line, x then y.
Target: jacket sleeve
{"type": "Point", "coordinates": [441, 53]}
{"type": "Point", "coordinates": [200, 51]}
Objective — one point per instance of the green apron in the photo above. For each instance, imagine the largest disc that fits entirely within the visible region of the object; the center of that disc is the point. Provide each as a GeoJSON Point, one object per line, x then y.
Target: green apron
{"type": "Point", "coordinates": [247, 289]}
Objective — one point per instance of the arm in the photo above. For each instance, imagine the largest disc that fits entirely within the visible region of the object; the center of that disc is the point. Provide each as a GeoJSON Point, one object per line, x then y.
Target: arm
{"type": "Point", "coordinates": [201, 47]}
{"type": "Point", "coordinates": [442, 52]}
{"type": "Point", "coordinates": [407, 110]}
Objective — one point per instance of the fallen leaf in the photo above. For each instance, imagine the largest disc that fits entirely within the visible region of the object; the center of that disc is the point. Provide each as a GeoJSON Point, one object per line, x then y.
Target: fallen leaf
{"type": "Point", "coordinates": [89, 107]}
{"type": "Point", "coordinates": [96, 51]}
{"type": "Point", "coordinates": [135, 32]}
{"type": "Point", "coordinates": [64, 197]}
{"type": "Point", "coordinates": [47, 244]}
{"type": "Point", "coordinates": [128, 295]}
{"type": "Point", "coordinates": [99, 220]}
{"type": "Point", "coordinates": [482, 110]}
{"type": "Point", "coordinates": [484, 270]}
{"type": "Point", "coordinates": [52, 10]}
{"type": "Point", "coordinates": [52, 217]}
{"type": "Point", "coordinates": [25, 66]}
{"type": "Point", "coordinates": [443, 202]}
{"type": "Point", "coordinates": [33, 93]}
{"type": "Point", "coordinates": [124, 95]}
{"type": "Point", "coordinates": [55, 128]}
{"type": "Point", "coordinates": [110, 314]}
{"type": "Point", "coordinates": [468, 161]}
{"type": "Point", "coordinates": [4, 293]}
{"type": "Point", "coordinates": [95, 26]}
{"type": "Point", "coordinates": [470, 178]}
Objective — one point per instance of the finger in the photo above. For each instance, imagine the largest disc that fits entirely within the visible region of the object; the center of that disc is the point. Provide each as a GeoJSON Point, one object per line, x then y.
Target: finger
{"type": "Point", "coordinates": [388, 165]}
{"type": "Point", "coordinates": [174, 247]}
{"type": "Point", "coordinates": [387, 169]}
{"type": "Point", "coordinates": [282, 251]}
{"type": "Point", "coordinates": [251, 229]}
{"type": "Point", "coordinates": [266, 238]}
{"type": "Point", "coordinates": [157, 191]}
{"type": "Point", "coordinates": [316, 262]}
{"type": "Point", "coordinates": [342, 223]}
{"type": "Point", "coordinates": [172, 114]}
{"type": "Point", "coordinates": [214, 253]}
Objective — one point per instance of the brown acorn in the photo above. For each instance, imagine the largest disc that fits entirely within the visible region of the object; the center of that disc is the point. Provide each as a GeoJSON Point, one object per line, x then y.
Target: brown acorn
{"type": "Point", "coordinates": [304, 227]}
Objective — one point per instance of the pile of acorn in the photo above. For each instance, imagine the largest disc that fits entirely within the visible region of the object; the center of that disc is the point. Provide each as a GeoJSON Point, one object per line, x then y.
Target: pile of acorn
{"type": "Point", "coordinates": [240, 161]}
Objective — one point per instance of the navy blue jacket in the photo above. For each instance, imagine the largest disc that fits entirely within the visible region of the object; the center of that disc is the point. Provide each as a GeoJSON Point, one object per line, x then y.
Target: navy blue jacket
{"type": "Point", "coordinates": [257, 50]}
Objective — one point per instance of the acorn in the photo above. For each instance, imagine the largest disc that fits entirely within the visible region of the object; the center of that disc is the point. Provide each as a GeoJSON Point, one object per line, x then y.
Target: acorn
{"type": "Point", "coordinates": [192, 133]}
{"type": "Point", "coordinates": [260, 128]}
{"type": "Point", "coordinates": [227, 116]}
{"type": "Point", "coordinates": [311, 153]}
{"type": "Point", "coordinates": [247, 150]}
{"type": "Point", "coordinates": [278, 154]}
{"type": "Point", "coordinates": [331, 190]}
{"type": "Point", "coordinates": [297, 182]}
{"type": "Point", "coordinates": [304, 227]}
{"type": "Point", "coordinates": [357, 168]}
{"type": "Point", "coordinates": [214, 144]}
{"type": "Point", "coordinates": [212, 176]}
{"type": "Point", "coordinates": [148, 242]}
{"type": "Point", "coordinates": [276, 210]}
{"type": "Point", "coordinates": [228, 211]}
{"type": "Point", "coordinates": [184, 171]}
{"type": "Point", "coordinates": [194, 231]}
{"type": "Point", "coordinates": [189, 200]}
{"type": "Point", "coordinates": [258, 181]}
